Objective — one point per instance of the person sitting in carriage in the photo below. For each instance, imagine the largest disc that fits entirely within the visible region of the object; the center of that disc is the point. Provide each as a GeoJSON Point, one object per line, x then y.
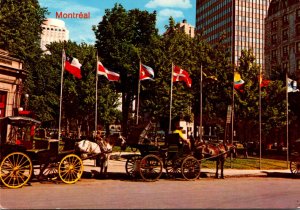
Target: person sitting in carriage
{"type": "Point", "coordinates": [185, 141]}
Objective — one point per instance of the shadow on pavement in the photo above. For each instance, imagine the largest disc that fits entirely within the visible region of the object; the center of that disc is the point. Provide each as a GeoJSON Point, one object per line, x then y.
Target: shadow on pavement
{"type": "Point", "coordinates": [124, 177]}
{"type": "Point", "coordinates": [282, 175]}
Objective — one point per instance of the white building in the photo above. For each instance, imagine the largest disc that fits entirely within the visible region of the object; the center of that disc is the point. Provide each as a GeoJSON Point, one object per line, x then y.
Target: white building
{"type": "Point", "coordinates": [187, 28]}
{"type": "Point", "coordinates": [54, 30]}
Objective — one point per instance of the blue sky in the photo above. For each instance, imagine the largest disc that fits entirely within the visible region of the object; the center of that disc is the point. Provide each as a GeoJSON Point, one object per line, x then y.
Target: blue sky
{"type": "Point", "coordinates": [80, 29]}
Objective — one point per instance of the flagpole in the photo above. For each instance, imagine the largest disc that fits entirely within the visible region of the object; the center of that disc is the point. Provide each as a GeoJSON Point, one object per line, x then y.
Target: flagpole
{"type": "Point", "coordinates": [170, 116]}
{"type": "Point", "coordinates": [96, 106]}
{"type": "Point", "coordinates": [201, 82]}
{"type": "Point", "coordinates": [260, 81]}
{"type": "Point", "coordinates": [232, 118]}
{"type": "Point", "coordinates": [61, 91]}
{"type": "Point", "coordinates": [138, 96]}
{"type": "Point", "coordinates": [287, 120]}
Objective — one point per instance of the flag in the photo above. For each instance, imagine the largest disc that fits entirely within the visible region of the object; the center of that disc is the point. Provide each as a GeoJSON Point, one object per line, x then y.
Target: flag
{"type": "Point", "coordinates": [146, 72]}
{"type": "Point", "coordinates": [238, 82]}
{"type": "Point", "coordinates": [263, 82]}
{"type": "Point", "coordinates": [110, 75]}
{"type": "Point", "coordinates": [292, 85]}
{"type": "Point", "coordinates": [212, 77]}
{"type": "Point", "coordinates": [73, 66]}
{"type": "Point", "coordinates": [181, 75]}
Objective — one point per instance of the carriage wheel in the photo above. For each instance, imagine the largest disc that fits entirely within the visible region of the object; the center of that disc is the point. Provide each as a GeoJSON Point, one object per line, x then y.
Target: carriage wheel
{"type": "Point", "coordinates": [51, 172]}
{"type": "Point", "coordinates": [295, 167]}
{"type": "Point", "coordinates": [132, 166]}
{"type": "Point", "coordinates": [190, 168]}
{"type": "Point", "coordinates": [70, 169]}
{"type": "Point", "coordinates": [173, 167]}
{"type": "Point", "coordinates": [150, 168]}
{"type": "Point", "coordinates": [15, 170]}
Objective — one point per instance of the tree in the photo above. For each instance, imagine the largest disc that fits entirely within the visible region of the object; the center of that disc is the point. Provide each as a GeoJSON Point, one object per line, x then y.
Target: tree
{"type": "Point", "coordinates": [247, 102]}
{"type": "Point", "coordinates": [20, 30]}
{"type": "Point", "coordinates": [121, 37]}
{"type": "Point", "coordinates": [78, 108]}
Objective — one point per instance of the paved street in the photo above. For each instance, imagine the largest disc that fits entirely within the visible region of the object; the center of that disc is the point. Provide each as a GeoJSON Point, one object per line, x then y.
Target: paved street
{"type": "Point", "coordinates": [250, 192]}
{"type": "Point", "coordinates": [240, 189]}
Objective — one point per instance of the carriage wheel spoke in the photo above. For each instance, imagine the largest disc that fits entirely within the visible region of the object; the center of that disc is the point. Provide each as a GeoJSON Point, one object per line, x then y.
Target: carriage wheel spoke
{"type": "Point", "coordinates": [70, 169]}
{"type": "Point", "coordinates": [16, 169]}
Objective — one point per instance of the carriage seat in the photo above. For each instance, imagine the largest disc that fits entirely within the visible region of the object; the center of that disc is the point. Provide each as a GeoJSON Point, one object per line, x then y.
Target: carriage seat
{"type": "Point", "coordinates": [173, 142]}
{"type": "Point", "coordinates": [44, 148]}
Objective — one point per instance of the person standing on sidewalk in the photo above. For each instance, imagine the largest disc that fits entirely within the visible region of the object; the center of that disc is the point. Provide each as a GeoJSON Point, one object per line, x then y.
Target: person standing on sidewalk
{"type": "Point", "coordinates": [245, 150]}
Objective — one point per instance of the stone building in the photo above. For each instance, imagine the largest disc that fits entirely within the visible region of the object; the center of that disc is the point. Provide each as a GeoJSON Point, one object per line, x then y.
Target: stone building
{"type": "Point", "coordinates": [282, 49]}
{"type": "Point", "coordinates": [12, 76]}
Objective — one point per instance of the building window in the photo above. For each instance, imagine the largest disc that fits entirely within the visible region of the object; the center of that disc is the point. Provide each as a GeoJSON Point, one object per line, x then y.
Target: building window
{"type": "Point", "coordinates": [298, 65]}
{"type": "Point", "coordinates": [285, 35]}
{"type": "Point", "coordinates": [285, 19]}
{"type": "Point", "coordinates": [274, 39]}
{"type": "Point", "coordinates": [274, 53]}
{"type": "Point", "coordinates": [285, 66]}
{"type": "Point", "coordinates": [3, 96]}
{"type": "Point", "coordinates": [298, 29]}
{"type": "Point", "coordinates": [298, 47]}
{"type": "Point", "coordinates": [285, 50]}
{"type": "Point", "coordinates": [274, 24]}
{"type": "Point", "coordinates": [298, 14]}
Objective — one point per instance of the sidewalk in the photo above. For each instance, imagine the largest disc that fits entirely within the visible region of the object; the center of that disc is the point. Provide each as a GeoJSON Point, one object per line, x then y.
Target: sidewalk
{"type": "Point", "coordinates": [117, 165]}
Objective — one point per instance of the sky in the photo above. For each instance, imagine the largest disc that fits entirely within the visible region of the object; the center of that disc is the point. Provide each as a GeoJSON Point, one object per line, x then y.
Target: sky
{"type": "Point", "coordinates": [80, 30]}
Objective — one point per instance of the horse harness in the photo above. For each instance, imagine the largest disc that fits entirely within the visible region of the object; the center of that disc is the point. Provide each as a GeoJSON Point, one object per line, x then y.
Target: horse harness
{"type": "Point", "coordinates": [227, 150]}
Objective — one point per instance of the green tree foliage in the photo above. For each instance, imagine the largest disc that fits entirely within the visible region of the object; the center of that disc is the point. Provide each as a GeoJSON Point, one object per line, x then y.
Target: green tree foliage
{"type": "Point", "coordinates": [247, 102]}
{"type": "Point", "coordinates": [121, 37]}
{"type": "Point", "coordinates": [78, 107]}
{"type": "Point", "coordinates": [20, 27]}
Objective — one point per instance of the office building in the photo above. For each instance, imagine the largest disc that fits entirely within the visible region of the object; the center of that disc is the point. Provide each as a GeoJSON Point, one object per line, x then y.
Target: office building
{"type": "Point", "coordinates": [282, 50]}
{"type": "Point", "coordinates": [54, 30]}
{"type": "Point", "coordinates": [239, 22]}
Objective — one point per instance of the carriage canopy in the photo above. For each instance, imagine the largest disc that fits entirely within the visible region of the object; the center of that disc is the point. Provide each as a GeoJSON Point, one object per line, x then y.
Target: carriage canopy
{"type": "Point", "coordinates": [12, 127]}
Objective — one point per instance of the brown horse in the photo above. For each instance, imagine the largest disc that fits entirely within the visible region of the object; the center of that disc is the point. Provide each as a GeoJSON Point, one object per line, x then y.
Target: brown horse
{"type": "Point", "coordinates": [108, 143]}
{"type": "Point", "coordinates": [215, 152]}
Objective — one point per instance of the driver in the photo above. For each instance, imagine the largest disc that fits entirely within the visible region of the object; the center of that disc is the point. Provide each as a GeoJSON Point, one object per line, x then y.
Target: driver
{"type": "Point", "coordinates": [181, 136]}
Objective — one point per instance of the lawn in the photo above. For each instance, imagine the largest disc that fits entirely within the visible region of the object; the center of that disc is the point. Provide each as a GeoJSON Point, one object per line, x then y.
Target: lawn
{"type": "Point", "coordinates": [252, 162]}
{"type": "Point", "coordinates": [249, 163]}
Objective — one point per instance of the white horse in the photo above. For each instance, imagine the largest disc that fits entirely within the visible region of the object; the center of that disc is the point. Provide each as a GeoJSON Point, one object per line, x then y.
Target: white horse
{"type": "Point", "coordinates": [99, 150]}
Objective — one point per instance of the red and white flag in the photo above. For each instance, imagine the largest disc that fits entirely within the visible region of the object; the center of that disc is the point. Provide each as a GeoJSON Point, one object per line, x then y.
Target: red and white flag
{"type": "Point", "coordinates": [73, 66]}
{"type": "Point", "coordinates": [181, 75]}
{"type": "Point", "coordinates": [110, 75]}
{"type": "Point", "coordinates": [146, 72]}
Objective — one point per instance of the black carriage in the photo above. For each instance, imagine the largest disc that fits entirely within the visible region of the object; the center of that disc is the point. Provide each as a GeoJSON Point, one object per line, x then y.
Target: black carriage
{"type": "Point", "coordinates": [157, 153]}
{"type": "Point", "coordinates": [295, 158]}
{"type": "Point", "coordinates": [23, 156]}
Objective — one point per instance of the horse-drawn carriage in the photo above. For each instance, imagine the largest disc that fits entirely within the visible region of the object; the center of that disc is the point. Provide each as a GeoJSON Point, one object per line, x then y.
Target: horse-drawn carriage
{"type": "Point", "coordinates": [22, 155]}
{"type": "Point", "coordinates": [295, 158]}
{"type": "Point", "coordinates": [158, 153]}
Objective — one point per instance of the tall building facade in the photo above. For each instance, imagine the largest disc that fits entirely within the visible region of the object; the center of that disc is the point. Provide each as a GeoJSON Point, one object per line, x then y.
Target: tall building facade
{"type": "Point", "coordinates": [54, 30]}
{"type": "Point", "coordinates": [282, 48]}
{"type": "Point", "coordinates": [239, 22]}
